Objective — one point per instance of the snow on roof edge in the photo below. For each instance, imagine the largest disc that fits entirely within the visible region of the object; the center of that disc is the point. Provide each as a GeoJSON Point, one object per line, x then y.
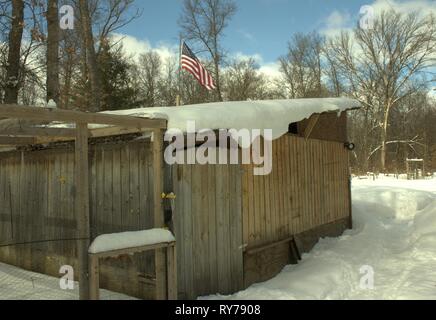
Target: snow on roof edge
{"type": "Point", "coordinates": [266, 114]}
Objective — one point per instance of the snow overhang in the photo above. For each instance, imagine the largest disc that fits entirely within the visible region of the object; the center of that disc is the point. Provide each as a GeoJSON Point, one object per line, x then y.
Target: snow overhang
{"type": "Point", "coordinates": [275, 115]}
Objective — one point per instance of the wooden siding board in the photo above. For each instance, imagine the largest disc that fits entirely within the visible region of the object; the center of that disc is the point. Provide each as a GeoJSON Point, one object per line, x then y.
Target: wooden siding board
{"type": "Point", "coordinates": [236, 230]}
{"type": "Point", "coordinates": [179, 230]}
{"type": "Point", "coordinates": [212, 194]}
{"type": "Point", "coordinates": [188, 241]}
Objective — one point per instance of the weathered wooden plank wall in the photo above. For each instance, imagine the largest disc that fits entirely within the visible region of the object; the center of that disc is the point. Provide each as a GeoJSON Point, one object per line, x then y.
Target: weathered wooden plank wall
{"type": "Point", "coordinates": [220, 210]}
{"type": "Point", "coordinates": [37, 197]}
{"type": "Point", "coordinates": [208, 228]}
{"type": "Point", "coordinates": [308, 187]}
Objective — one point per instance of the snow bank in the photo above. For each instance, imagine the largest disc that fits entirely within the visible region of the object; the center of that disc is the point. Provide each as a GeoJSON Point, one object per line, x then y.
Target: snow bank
{"type": "Point", "coordinates": [116, 241]}
{"type": "Point", "coordinates": [397, 203]}
{"type": "Point", "coordinates": [268, 114]}
{"type": "Point", "coordinates": [425, 222]}
{"type": "Point", "coordinates": [394, 234]}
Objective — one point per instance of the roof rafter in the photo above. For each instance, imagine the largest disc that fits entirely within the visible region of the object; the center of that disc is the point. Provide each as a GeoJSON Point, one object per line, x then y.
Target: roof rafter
{"type": "Point", "coordinates": [38, 132]}
{"type": "Point", "coordinates": [68, 116]}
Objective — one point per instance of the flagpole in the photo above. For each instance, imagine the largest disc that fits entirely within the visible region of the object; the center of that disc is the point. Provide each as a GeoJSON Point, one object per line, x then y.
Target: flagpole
{"type": "Point", "coordinates": [179, 94]}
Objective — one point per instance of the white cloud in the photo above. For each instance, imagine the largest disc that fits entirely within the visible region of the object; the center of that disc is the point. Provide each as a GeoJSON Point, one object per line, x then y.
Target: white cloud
{"type": "Point", "coordinates": [239, 56]}
{"type": "Point", "coordinates": [338, 21]}
{"type": "Point", "coordinates": [419, 6]}
{"type": "Point", "coordinates": [270, 69]}
{"type": "Point", "coordinates": [134, 47]}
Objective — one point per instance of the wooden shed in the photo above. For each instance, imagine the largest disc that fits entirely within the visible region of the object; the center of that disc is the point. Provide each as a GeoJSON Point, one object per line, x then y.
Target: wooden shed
{"type": "Point", "coordinates": [232, 228]}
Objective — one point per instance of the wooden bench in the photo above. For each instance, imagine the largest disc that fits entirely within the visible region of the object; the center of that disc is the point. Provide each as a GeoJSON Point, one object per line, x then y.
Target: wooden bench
{"type": "Point", "coordinates": [171, 274]}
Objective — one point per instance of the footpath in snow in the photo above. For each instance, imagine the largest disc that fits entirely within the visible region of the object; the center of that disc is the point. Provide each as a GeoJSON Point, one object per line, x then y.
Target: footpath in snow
{"type": "Point", "coordinates": [394, 234]}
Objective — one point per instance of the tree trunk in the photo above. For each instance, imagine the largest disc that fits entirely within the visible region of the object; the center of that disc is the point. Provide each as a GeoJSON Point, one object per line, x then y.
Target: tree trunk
{"type": "Point", "coordinates": [53, 51]}
{"type": "Point", "coordinates": [13, 66]}
{"type": "Point", "coordinates": [68, 71]}
{"type": "Point", "coordinates": [384, 134]}
{"type": "Point", "coordinates": [218, 82]}
{"type": "Point", "coordinates": [91, 57]}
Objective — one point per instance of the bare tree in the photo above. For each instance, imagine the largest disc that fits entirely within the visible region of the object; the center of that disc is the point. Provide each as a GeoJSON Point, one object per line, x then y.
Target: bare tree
{"type": "Point", "coordinates": [69, 65]}
{"type": "Point", "coordinates": [149, 75]}
{"type": "Point", "coordinates": [389, 64]}
{"type": "Point", "coordinates": [53, 51]}
{"type": "Point", "coordinates": [4, 19]}
{"type": "Point", "coordinates": [204, 22]}
{"type": "Point", "coordinates": [14, 55]}
{"type": "Point", "coordinates": [90, 55]}
{"type": "Point", "coordinates": [108, 16]}
{"type": "Point", "coordinates": [168, 85]}
{"type": "Point", "coordinates": [243, 81]}
{"type": "Point", "coordinates": [301, 67]}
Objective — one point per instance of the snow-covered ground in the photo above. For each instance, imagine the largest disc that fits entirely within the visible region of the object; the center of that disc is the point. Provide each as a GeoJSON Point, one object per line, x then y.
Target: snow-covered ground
{"type": "Point", "coordinates": [394, 236]}
{"type": "Point", "coordinates": [18, 284]}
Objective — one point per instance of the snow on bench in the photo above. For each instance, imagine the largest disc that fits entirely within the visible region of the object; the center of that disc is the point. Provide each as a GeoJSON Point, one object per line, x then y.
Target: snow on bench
{"type": "Point", "coordinates": [126, 240]}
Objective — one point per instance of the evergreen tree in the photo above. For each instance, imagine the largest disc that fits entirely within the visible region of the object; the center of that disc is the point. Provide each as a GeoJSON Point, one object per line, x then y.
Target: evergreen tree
{"type": "Point", "coordinates": [118, 91]}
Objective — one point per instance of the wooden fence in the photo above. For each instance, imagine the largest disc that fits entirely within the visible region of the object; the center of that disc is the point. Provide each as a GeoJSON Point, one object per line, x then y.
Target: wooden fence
{"type": "Point", "coordinates": [37, 195]}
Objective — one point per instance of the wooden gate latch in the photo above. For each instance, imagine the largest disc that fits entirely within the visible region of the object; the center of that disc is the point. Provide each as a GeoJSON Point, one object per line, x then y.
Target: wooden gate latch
{"type": "Point", "coordinates": [170, 196]}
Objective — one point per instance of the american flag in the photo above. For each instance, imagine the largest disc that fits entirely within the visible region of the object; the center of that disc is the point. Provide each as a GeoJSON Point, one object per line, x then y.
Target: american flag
{"type": "Point", "coordinates": [190, 63]}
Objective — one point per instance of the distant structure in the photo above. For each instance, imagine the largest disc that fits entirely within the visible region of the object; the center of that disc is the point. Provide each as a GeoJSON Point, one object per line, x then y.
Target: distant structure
{"type": "Point", "coordinates": [415, 169]}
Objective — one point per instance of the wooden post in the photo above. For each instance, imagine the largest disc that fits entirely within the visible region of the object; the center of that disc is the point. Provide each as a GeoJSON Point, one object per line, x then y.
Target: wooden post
{"type": "Point", "coordinates": [82, 206]}
{"type": "Point", "coordinates": [94, 278]}
{"type": "Point", "coordinates": [311, 125]}
{"type": "Point", "coordinates": [159, 221]}
{"type": "Point", "coordinates": [172, 272]}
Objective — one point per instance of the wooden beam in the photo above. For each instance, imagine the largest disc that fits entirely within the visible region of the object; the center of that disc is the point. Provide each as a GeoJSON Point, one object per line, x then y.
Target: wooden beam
{"type": "Point", "coordinates": [127, 251]}
{"type": "Point", "coordinates": [68, 116]}
{"type": "Point", "coordinates": [82, 207]}
{"type": "Point", "coordinates": [311, 125]}
{"type": "Point", "coordinates": [38, 132]}
{"type": "Point", "coordinates": [172, 273]}
{"type": "Point", "coordinates": [114, 131]}
{"type": "Point", "coordinates": [95, 133]}
{"type": "Point", "coordinates": [267, 246]}
{"type": "Point", "coordinates": [16, 141]}
{"type": "Point", "coordinates": [159, 220]}
{"type": "Point", "coordinates": [94, 278]}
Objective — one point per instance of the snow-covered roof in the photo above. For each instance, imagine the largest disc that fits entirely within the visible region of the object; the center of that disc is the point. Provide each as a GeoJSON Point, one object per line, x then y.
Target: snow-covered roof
{"type": "Point", "coordinates": [267, 114]}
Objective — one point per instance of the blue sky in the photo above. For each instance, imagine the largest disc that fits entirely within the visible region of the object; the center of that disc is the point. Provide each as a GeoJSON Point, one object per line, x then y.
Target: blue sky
{"type": "Point", "coordinates": [259, 26]}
